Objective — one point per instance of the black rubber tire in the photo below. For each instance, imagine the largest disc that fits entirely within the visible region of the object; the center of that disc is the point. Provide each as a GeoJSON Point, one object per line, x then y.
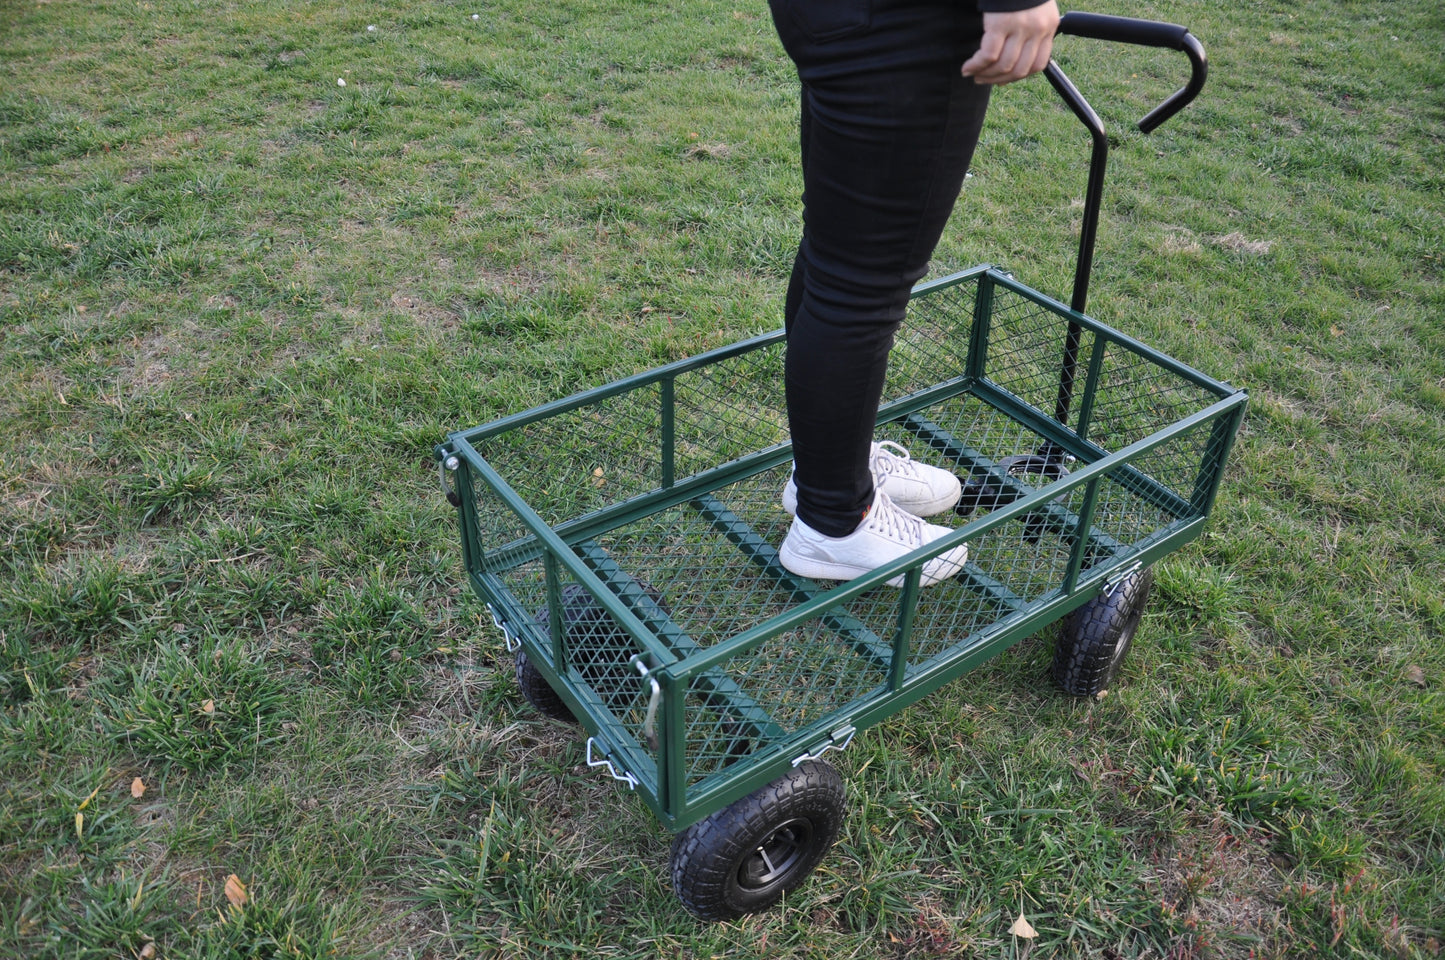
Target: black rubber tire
{"type": "Point", "coordinates": [1094, 638]}
{"type": "Point", "coordinates": [537, 692]}
{"type": "Point", "coordinates": [746, 856]}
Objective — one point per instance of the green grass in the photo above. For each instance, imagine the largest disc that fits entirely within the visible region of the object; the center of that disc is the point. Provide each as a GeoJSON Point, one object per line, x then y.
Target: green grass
{"type": "Point", "coordinates": [240, 303]}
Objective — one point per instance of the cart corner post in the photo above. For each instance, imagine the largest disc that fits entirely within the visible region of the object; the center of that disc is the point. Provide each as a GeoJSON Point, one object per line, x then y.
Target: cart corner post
{"type": "Point", "coordinates": [667, 392]}
{"type": "Point", "coordinates": [460, 493]}
{"type": "Point", "coordinates": [975, 363]}
{"type": "Point", "coordinates": [907, 608]}
{"type": "Point", "coordinates": [1221, 443]}
{"type": "Point", "coordinates": [672, 753]}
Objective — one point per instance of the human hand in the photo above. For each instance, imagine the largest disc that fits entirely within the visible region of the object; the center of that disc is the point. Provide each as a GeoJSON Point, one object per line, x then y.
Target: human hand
{"type": "Point", "coordinates": [1016, 44]}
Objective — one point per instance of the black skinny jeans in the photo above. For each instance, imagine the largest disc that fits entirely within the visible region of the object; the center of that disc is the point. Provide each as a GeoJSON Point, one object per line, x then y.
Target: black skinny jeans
{"type": "Point", "coordinates": [888, 129]}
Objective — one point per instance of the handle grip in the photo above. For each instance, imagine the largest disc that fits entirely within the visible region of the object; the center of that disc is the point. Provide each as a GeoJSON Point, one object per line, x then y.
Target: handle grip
{"type": "Point", "coordinates": [1146, 33]}
{"type": "Point", "coordinates": [1143, 33]}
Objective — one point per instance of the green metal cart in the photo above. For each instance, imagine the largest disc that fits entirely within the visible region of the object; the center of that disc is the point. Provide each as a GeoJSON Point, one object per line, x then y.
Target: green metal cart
{"type": "Point", "coordinates": [625, 541]}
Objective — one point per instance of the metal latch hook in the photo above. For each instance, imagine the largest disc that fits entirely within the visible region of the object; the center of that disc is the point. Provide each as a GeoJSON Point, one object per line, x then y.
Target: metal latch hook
{"type": "Point", "coordinates": [837, 740]}
{"type": "Point", "coordinates": [513, 643]}
{"type": "Point", "coordinates": [443, 465]}
{"type": "Point", "coordinates": [602, 761]}
{"type": "Point", "coordinates": [1113, 583]}
{"type": "Point", "coordinates": [649, 723]}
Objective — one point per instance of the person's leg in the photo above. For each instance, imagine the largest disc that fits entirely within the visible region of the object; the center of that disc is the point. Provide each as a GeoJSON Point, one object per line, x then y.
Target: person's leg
{"type": "Point", "coordinates": [887, 130]}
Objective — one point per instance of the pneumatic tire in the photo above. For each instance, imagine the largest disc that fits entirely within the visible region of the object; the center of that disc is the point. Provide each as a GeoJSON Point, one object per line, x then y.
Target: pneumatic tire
{"type": "Point", "coordinates": [539, 693]}
{"type": "Point", "coordinates": [746, 856]}
{"type": "Point", "coordinates": [1093, 639]}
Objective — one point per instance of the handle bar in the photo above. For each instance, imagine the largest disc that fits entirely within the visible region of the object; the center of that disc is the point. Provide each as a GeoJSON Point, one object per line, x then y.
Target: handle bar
{"type": "Point", "coordinates": [1148, 33]}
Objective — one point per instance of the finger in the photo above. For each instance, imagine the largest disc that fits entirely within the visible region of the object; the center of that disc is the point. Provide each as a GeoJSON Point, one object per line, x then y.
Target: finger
{"type": "Point", "coordinates": [1024, 65]}
{"type": "Point", "coordinates": [983, 58]}
{"type": "Point", "coordinates": [1042, 53]}
{"type": "Point", "coordinates": [1033, 57]}
{"type": "Point", "coordinates": [1002, 67]}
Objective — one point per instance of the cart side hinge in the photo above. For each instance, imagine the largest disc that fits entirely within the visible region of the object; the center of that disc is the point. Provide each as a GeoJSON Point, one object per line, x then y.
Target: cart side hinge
{"type": "Point", "coordinates": [603, 761]}
{"type": "Point", "coordinates": [837, 740]}
{"type": "Point", "coordinates": [513, 643]}
{"type": "Point", "coordinates": [1112, 584]}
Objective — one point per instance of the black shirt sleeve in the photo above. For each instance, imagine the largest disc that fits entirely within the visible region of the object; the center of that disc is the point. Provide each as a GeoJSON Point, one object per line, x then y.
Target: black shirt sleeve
{"type": "Point", "coordinates": [1004, 6]}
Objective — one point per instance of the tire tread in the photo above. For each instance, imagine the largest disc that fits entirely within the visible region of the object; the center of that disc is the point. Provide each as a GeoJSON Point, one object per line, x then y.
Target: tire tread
{"type": "Point", "coordinates": [1084, 653]}
{"type": "Point", "coordinates": [706, 853]}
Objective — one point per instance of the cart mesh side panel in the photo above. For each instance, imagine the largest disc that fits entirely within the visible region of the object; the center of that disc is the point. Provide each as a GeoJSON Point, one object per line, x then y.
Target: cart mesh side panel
{"type": "Point", "coordinates": [1148, 498]}
{"type": "Point", "coordinates": [766, 695]}
{"type": "Point", "coordinates": [560, 475]}
{"type": "Point", "coordinates": [1137, 397]}
{"type": "Point", "coordinates": [1026, 349]}
{"type": "Point", "coordinates": [932, 345]}
{"type": "Point", "coordinates": [730, 409]}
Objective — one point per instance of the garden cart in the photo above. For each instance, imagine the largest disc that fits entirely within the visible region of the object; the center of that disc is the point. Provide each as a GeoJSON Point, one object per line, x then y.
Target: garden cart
{"type": "Point", "coordinates": [625, 540]}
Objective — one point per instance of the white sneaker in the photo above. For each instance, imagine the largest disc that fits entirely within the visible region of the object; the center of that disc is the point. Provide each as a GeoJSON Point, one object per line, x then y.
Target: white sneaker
{"type": "Point", "coordinates": [912, 486]}
{"type": "Point", "coordinates": [886, 534]}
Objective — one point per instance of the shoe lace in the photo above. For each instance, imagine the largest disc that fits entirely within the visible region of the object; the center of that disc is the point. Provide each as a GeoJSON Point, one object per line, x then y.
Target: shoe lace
{"type": "Point", "coordinates": [889, 457]}
{"type": "Point", "coordinates": [895, 524]}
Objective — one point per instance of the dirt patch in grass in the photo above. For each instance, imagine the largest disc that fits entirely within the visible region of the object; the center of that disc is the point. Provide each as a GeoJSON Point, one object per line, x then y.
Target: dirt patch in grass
{"type": "Point", "coordinates": [1224, 891]}
{"type": "Point", "coordinates": [1239, 243]}
{"type": "Point", "coordinates": [151, 368]}
{"type": "Point", "coordinates": [1181, 242]}
{"type": "Point", "coordinates": [414, 305]}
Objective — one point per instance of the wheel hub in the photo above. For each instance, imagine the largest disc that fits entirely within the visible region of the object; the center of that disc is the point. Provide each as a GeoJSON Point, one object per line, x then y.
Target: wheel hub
{"type": "Point", "coordinates": [776, 856]}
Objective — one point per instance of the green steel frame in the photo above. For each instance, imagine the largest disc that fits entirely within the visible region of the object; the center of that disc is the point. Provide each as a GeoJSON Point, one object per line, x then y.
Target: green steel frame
{"type": "Point", "coordinates": [679, 665]}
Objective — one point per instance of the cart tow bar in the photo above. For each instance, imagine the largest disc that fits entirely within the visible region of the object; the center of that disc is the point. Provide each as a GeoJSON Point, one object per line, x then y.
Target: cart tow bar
{"type": "Point", "coordinates": [837, 740]}
{"type": "Point", "coordinates": [603, 761]}
{"type": "Point", "coordinates": [1146, 33]}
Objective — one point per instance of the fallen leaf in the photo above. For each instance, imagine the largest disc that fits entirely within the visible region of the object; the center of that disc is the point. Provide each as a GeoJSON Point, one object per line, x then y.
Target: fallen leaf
{"type": "Point", "coordinates": [1415, 675]}
{"type": "Point", "coordinates": [137, 788]}
{"type": "Point", "coordinates": [1335, 331]}
{"type": "Point", "coordinates": [147, 952]}
{"type": "Point", "coordinates": [236, 891]}
{"type": "Point", "coordinates": [1022, 928]}
{"type": "Point", "coordinates": [208, 707]}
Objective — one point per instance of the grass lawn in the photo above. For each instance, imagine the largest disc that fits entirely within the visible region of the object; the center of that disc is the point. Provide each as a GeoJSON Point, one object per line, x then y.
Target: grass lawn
{"type": "Point", "coordinates": [241, 301]}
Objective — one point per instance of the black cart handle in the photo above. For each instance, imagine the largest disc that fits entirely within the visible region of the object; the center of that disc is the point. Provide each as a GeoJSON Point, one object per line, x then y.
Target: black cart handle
{"type": "Point", "coordinates": [1124, 30]}
{"type": "Point", "coordinates": [1145, 33]}
{"type": "Point", "coordinates": [1101, 26]}
{"type": "Point", "coordinates": [1148, 33]}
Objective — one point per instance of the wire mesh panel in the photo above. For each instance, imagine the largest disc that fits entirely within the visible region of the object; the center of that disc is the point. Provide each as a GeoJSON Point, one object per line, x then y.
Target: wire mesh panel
{"type": "Point", "coordinates": [640, 524]}
{"type": "Point", "coordinates": [581, 460]}
{"type": "Point", "coordinates": [1026, 348]}
{"type": "Point", "coordinates": [730, 409]}
{"type": "Point", "coordinates": [1137, 397]}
